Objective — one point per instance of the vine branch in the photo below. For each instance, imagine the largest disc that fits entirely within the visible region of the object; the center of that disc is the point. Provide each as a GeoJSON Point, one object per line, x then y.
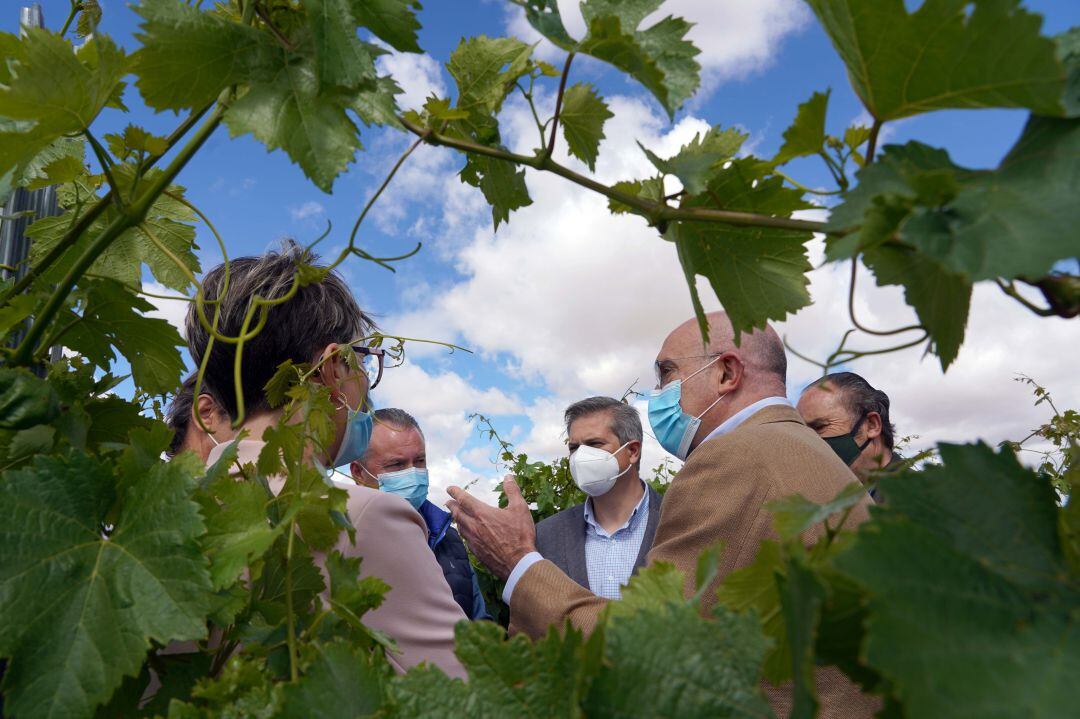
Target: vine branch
{"type": "Point", "coordinates": [558, 104]}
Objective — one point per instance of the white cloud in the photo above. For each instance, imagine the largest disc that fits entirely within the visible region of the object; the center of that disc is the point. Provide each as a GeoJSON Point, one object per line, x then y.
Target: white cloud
{"type": "Point", "coordinates": [309, 209]}
{"type": "Point", "coordinates": [418, 75]}
{"type": "Point", "coordinates": [737, 38]}
{"type": "Point", "coordinates": [172, 311]}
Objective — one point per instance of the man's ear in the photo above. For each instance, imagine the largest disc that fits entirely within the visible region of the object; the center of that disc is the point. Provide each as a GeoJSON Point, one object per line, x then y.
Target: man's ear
{"type": "Point", "coordinates": [331, 372]}
{"type": "Point", "coordinates": [872, 425]}
{"type": "Point", "coordinates": [209, 412]}
{"type": "Point", "coordinates": [729, 372]}
{"type": "Point", "coordinates": [633, 450]}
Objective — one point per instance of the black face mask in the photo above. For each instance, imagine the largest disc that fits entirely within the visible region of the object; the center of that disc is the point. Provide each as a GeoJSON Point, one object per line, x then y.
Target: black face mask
{"type": "Point", "coordinates": [845, 446]}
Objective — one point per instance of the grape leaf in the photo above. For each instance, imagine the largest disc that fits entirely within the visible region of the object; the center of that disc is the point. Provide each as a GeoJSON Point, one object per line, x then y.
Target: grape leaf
{"type": "Point", "coordinates": [60, 161]}
{"type": "Point", "coordinates": [89, 17]}
{"type": "Point", "coordinates": [659, 57]}
{"type": "Point", "coordinates": [801, 596]}
{"type": "Point", "coordinates": [697, 161]}
{"type": "Point", "coordinates": [115, 578]}
{"type": "Point", "coordinates": [710, 666]}
{"type": "Point", "coordinates": [350, 596]}
{"type": "Point", "coordinates": [758, 273]}
{"type": "Point", "coordinates": [238, 531]}
{"type": "Point", "coordinates": [25, 400]}
{"type": "Point", "coordinates": [289, 111]}
{"type": "Point", "coordinates": [1068, 51]}
{"type": "Point", "coordinates": [650, 189]}
{"type": "Point", "coordinates": [507, 677]}
{"type": "Point", "coordinates": [940, 298]}
{"type": "Point", "coordinates": [795, 514]}
{"type": "Point", "coordinates": [134, 140]}
{"type": "Point", "coordinates": [378, 105]}
{"type": "Point", "coordinates": [583, 116]}
{"type": "Point", "coordinates": [502, 183]}
{"type": "Point", "coordinates": [945, 54]}
{"type": "Point", "coordinates": [189, 56]}
{"type": "Point", "coordinates": [968, 590]}
{"type": "Point", "coordinates": [111, 318]}
{"type": "Point", "coordinates": [806, 136]}
{"type": "Point", "coordinates": [394, 21]}
{"type": "Point", "coordinates": [341, 59]}
{"type": "Point", "coordinates": [61, 90]}
{"type": "Point", "coordinates": [340, 681]}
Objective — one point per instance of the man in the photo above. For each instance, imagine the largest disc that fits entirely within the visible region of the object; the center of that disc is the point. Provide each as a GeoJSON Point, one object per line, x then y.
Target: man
{"type": "Point", "coordinates": [188, 435]}
{"type": "Point", "coordinates": [318, 324]}
{"type": "Point", "coordinates": [723, 408]}
{"type": "Point", "coordinates": [604, 540]}
{"type": "Point", "coordinates": [853, 418]}
{"type": "Point", "coordinates": [396, 462]}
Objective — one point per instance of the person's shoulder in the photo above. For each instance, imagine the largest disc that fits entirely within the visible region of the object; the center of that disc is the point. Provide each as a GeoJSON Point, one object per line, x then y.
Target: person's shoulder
{"type": "Point", "coordinates": [560, 518]}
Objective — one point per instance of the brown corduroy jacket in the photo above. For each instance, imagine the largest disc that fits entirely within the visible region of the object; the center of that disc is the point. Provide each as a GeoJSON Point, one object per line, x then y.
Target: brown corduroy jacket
{"type": "Point", "coordinates": [719, 495]}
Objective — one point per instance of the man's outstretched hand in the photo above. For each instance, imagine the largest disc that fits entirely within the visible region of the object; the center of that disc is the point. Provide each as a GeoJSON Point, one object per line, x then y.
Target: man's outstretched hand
{"type": "Point", "coordinates": [498, 537]}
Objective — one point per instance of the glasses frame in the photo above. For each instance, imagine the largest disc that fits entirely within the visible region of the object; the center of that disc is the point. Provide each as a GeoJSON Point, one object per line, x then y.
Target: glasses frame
{"type": "Point", "coordinates": [364, 351]}
{"type": "Point", "coordinates": [656, 365]}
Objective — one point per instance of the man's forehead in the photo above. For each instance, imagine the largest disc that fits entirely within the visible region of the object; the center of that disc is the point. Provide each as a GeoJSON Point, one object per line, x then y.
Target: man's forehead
{"type": "Point", "coordinates": [591, 426]}
{"type": "Point", "coordinates": [823, 398]}
{"type": "Point", "coordinates": [388, 437]}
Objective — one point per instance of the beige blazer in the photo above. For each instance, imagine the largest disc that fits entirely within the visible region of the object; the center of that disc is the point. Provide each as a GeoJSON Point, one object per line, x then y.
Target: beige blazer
{"type": "Point", "coordinates": [419, 612]}
{"type": "Point", "coordinates": [719, 495]}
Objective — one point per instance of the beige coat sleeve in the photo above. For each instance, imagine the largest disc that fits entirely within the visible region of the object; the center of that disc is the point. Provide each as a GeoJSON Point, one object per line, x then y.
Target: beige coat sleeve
{"type": "Point", "coordinates": [419, 612]}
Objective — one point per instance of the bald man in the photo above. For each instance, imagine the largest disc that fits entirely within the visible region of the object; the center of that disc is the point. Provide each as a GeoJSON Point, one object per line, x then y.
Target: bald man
{"type": "Point", "coordinates": [725, 410]}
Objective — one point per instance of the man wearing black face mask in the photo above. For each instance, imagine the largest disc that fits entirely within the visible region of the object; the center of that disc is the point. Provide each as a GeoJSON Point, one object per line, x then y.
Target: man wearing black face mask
{"type": "Point", "coordinates": [853, 418]}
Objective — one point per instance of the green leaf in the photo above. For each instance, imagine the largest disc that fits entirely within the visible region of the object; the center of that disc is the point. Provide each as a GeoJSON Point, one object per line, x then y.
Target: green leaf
{"type": "Point", "coordinates": [583, 116]}
{"type": "Point", "coordinates": [61, 90]}
{"type": "Point", "coordinates": [709, 666]}
{"type": "Point", "coordinates": [118, 568]}
{"type": "Point", "coordinates": [544, 16]}
{"type": "Point", "coordinates": [697, 161]}
{"type": "Point", "coordinates": [656, 586]}
{"type": "Point", "coordinates": [289, 111]}
{"type": "Point", "coordinates": [136, 141]}
{"type": "Point", "coordinates": [1021, 218]}
{"type": "Point", "coordinates": [89, 17]}
{"type": "Point", "coordinates": [507, 677]}
{"type": "Point", "coordinates": [758, 273]}
{"type": "Point", "coordinates": [502, 183]}
{"type": "Point", "coordinates": [806, 136]}
{"type": "Point", "coordinates": [111, 318]}
{"type": "Point", "coordinates": [485, 70]}
{"type": "Point", "coordinates": [966, 580]}
{"type": "Point", "coordinates": [1068, 52]}
{"type": "Point", "coordinates": [15, 311]}
{"type": "Point", "coordinates": [754, 587]}
{"type": "Point", "coordinates": [350, 596]}
{"type": "Point", "coordinates": [340, 681]}
{"type": "Point", "coordinates": [25, 400]}
{"type": "Point", "coordinates": [393, 21]}
{"type": "Point", "coordinates": [341, 59]}
{"type": "Point", "coordinates": [801, 596]}
{"type": "Point", "coordinates": [378, 105]}
{"type": "Point", "coordinates": [28, 156]}
{"type": "Point", "coordinates": [650, 189]}
{"type": "Point", "coordinates": [945, 54]}
{"type": "Point", "coordinates": [238, 531]}
{"type": "Point", "coordinates": [794, 515]}
{"type": "Point", "coordinates": [189, 56]}
{"type": "Point", "coordinates": [939, 297]}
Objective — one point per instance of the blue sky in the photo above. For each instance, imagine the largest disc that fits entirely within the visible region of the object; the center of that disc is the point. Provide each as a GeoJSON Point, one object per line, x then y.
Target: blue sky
{"type": "Point", "coordinates": [566, 301]}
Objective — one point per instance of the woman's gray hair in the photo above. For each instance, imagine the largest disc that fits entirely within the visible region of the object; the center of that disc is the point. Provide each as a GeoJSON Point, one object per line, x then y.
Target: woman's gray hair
{"type": "Point", "coordinates": [320, 313]}
{"type": "Point", "coordinates": [625, 422]}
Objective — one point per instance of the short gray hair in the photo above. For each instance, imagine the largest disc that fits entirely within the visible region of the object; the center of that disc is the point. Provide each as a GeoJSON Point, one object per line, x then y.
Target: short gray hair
{"type": "Point", "coordinates": [318, 314]}
{"type": "Point", "coordinates": [625, 422]}
{"type": "Point", "coordinates": [397, 418]}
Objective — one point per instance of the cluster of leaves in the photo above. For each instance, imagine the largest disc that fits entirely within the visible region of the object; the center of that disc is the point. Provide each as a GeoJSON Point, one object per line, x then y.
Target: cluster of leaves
{"type": "Point", "coordinates": [1060, 461]}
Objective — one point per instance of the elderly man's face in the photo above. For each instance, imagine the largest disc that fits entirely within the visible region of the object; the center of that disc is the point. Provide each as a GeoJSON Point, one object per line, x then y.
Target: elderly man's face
{"type": "Point", "coordinates": [680, 357]}
{"type": "Point", "coordinates": [390, 450]}
{"type": "Point", "coordinates": [823, 410]}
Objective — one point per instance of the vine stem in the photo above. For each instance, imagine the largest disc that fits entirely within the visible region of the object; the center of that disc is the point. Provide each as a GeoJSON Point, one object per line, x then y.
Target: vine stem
{"type": "Point", "coordinates": [851, 307]}
{"type": "Point", "coordinates": [558, 104]}
{"type": "Point", "coordinates": [655, 212]}
{"type": "Point", "coordinates": [1010, 289]}
{"type": "Point", "coordinates": [76, 6]}
{"type": "Point", "coordinates": [871, 144]}
{"type": "Point", "coordinates": [106, 166]}
{"type": "Point", "coordinates": [289, 610]}
{"type": "Point", "coordinates": [130, 217]}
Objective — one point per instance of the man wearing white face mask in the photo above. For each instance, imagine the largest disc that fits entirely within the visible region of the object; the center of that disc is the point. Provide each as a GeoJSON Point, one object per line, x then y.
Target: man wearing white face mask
{"type": "Point", "coordinates": [603, 541]}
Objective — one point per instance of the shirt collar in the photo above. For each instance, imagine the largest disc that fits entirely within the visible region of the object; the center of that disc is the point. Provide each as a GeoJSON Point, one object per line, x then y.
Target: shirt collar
{"type": "Point", "coordinates": [641, 508]}
{"type": "Point", "coordinates": [744, 414]}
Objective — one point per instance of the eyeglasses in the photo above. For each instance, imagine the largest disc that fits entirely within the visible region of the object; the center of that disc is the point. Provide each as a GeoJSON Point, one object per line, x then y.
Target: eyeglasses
{"type": "Point", "coordinates": [667, 366]}
{"type": "Point", "coordinates": [371, 359]}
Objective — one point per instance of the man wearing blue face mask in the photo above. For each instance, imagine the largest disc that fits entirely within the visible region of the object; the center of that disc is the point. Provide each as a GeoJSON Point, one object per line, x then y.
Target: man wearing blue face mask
{"type": "Point", "coordinates": [723, 408]}
{"type": "Point", "coordinates": [396, 462]}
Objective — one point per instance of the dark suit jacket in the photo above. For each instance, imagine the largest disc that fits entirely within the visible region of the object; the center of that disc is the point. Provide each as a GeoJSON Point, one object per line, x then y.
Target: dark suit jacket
{"type": "Point", "coordinates": [720, 494]}
{"type": "Point", "coordinates": [561, 538]}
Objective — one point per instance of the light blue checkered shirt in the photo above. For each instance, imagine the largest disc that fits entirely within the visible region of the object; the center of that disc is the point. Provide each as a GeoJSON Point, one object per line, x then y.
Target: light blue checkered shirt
{"type": "Point", "coordinates": [610, 558]}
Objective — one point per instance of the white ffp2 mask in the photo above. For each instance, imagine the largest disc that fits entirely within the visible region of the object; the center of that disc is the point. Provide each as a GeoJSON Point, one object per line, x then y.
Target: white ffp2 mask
{"type": "Point", "coordinates": [595, 470]}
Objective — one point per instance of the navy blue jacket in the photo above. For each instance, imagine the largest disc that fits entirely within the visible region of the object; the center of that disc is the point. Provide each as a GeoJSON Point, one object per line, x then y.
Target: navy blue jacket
{"type": "Point", "coordinates": [450, 552]}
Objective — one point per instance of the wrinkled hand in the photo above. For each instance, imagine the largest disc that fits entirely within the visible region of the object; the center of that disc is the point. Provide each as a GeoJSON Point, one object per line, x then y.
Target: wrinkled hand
{"type": "Point", "coordinates": [498, 537]}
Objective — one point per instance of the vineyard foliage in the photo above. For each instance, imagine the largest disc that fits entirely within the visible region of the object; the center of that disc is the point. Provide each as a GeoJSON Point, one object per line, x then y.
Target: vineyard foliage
{"type": "Point", "coordinates": [130, 586]}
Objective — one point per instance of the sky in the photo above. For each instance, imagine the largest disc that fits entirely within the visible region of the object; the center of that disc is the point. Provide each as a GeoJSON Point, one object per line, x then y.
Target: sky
{"type": "Point", "coordinates": [567, 301]}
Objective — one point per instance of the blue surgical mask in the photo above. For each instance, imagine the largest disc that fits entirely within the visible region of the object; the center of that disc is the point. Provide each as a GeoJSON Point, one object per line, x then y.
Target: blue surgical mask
{"type": "Point", "coordinates": [410, 484]}
{"type": "Point", "coordinates": [674, 428]}
{"type": "Point", "coordinates": [357, 434]}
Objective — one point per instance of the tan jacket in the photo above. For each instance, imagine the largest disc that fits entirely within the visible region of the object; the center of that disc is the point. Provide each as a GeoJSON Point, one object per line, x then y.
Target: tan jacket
{"type": "Point", "coordinates": [718, 495]}
{"type": "Point", "coordinates": [419, 612]}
